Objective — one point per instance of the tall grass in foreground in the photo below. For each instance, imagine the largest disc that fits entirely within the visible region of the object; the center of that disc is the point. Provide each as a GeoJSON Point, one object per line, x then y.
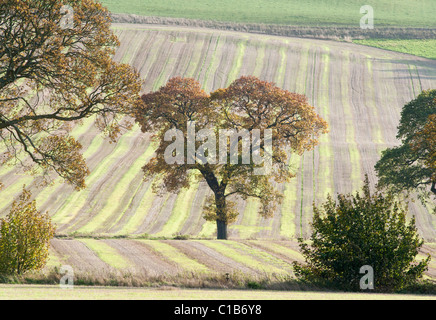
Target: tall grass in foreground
{"type": "Point", "coordinates": [186, 279]}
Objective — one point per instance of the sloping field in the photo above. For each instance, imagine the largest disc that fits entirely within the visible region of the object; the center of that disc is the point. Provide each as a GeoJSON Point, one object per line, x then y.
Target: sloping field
{"type": "Point", "coordinates": [359, 90]}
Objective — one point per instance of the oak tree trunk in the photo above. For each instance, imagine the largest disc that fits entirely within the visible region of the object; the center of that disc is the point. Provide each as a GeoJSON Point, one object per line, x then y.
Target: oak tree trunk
{"type": "Point", "coordinates": [221, 222]}
{"type": "Point", "coordinates": [221, 227]}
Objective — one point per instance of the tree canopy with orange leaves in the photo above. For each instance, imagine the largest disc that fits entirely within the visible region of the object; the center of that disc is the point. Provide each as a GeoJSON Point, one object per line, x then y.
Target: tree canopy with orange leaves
{"type": "Point", "coordinates": [56, 69]}
{"type": "Point", "coordinates": [250, 115]}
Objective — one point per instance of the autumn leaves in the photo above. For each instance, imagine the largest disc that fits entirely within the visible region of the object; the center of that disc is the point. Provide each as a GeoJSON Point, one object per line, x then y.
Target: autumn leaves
{"type": "Point", "coordinates": [52, 77]}
{"type": "Point", "coordinates": [242, 113]}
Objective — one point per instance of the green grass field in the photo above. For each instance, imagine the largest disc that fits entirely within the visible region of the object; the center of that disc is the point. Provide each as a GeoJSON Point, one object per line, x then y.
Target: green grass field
{"type": "Point", "coordinates": [423, 48]}
{"type": "Point", "coordinates": [418, 13]}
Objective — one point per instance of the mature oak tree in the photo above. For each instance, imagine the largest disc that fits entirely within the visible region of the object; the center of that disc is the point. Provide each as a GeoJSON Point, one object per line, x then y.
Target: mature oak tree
{"type": "Point", "coordinates": [56, 69]}
{"type": "Point", "coordinates": [236, 117]}
{"type": "Point", "coordinates": [411, 166]}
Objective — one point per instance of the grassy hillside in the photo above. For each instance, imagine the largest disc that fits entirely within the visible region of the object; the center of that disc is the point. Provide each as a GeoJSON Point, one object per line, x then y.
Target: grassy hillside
{"type": "Point", "coordinates": [359, 90]}
{"type": "Point", "coordinates": [401, 13]}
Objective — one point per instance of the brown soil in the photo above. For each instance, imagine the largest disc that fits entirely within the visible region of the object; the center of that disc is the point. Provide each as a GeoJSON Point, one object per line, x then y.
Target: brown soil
{"type": "Point", "coordinates": [79, 256]}
{"type": "Point", "coordinates": [144, 258]}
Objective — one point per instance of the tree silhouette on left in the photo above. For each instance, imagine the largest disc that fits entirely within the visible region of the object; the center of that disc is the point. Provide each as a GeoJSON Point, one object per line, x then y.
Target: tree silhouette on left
{"type": "Point", "coordinates": [53, 74]}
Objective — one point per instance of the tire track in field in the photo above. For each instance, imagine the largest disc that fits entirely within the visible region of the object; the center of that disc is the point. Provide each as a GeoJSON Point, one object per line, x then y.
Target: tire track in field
{"type": "Point", "coordinates": [167, 57]}
{"type": "Point", "coordinates": [324, 156]}
{"type": "Point", "coordinates": [212, 65]}
{"type": "Point", "coordinates": [96, 195]}
{"type": "Point", "coordinates": [195, 220]}
{"type": "Point", "coordinates": [79, 256]}
{"type": "Point", "coordinates": [373, 137]}
{"type": "Point", "coordinates": [134, 47]}
{"type": "Point", "coordinates": [196, 58]}
{"type": "Point", "coordinates": [136, 211]}
{"type": "Point", "coordinates": [200, 254]}
{"type": "Point", "coordinates": [184, 55]}
{"type": "Point", "coordinates": [355, 118]}
{"type": "Point", "coordinates": [205, 56]}
{"type": "Point", "coordinates": [209, 255]}
{"type": "Point", "coordinates": [235, 69]}
{"type": "Point", "coordinates": [156, 60]}
{"type": "Point", "coordinates": [180, 211]}
{"type": "Point", "coordinates": [203, 74]}
{"type": "Point", "coordinates": [145, 61]}
{"type": "Point", "coordinates": [249, 55]}
{"type": "Point", "coordinates": [284, 250]}
{"type": "Point", "coordinates": [161, 210]}
{"type": "Point", "coordinates": [227, 56]}
{"type": "Point", "coordinates": [144, 257]}
{"type": "Point", "coordinates": [129, 186]}
{"type": "Point", "coordinates": [264, 262]}
{"type": "Point", "coordinates": [426, 70]}
{"type": "Point", "coordinates": [308, 169]}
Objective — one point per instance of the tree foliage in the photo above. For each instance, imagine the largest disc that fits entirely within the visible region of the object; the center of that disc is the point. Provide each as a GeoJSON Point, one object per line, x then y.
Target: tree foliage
{"type": "Point", "coordinates": [25, 235]}
{"type": "Point", "coordinates": [247, 105]}
{"type": "Point", "coordinates": [411, 166]}
{"type": "Point", "coordinates": [357, 230]}
{"type": "Point", "coordinates": [54, 74]}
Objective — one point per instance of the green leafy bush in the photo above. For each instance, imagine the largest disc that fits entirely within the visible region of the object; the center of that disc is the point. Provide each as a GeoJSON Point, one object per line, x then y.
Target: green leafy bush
{"type": "Point", "coordinates": [25, 236]}
{"type": "Point", "coordinates": [357, 230]}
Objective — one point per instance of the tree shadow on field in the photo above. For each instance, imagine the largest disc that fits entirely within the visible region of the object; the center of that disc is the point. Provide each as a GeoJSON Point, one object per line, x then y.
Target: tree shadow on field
{"type": "Point", "coordinates": [429, 67]}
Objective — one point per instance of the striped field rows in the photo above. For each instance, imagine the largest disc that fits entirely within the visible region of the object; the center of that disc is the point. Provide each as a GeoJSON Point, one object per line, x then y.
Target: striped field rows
{"type": "Point", "coordinates": [177, 257]}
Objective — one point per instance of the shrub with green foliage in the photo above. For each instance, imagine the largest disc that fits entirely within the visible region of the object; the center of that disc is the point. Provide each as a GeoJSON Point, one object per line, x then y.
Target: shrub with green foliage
{"type": "Point", "coordinates": [410, 168]}
{"type": "Point", "coordinates": [357, 230]}
{"type": "Point", "coordinates": [25, 236]}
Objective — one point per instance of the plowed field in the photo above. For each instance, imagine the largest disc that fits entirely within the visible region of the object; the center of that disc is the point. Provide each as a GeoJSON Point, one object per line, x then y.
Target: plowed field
{"type": "Point", "coordinates": [359, 90]}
